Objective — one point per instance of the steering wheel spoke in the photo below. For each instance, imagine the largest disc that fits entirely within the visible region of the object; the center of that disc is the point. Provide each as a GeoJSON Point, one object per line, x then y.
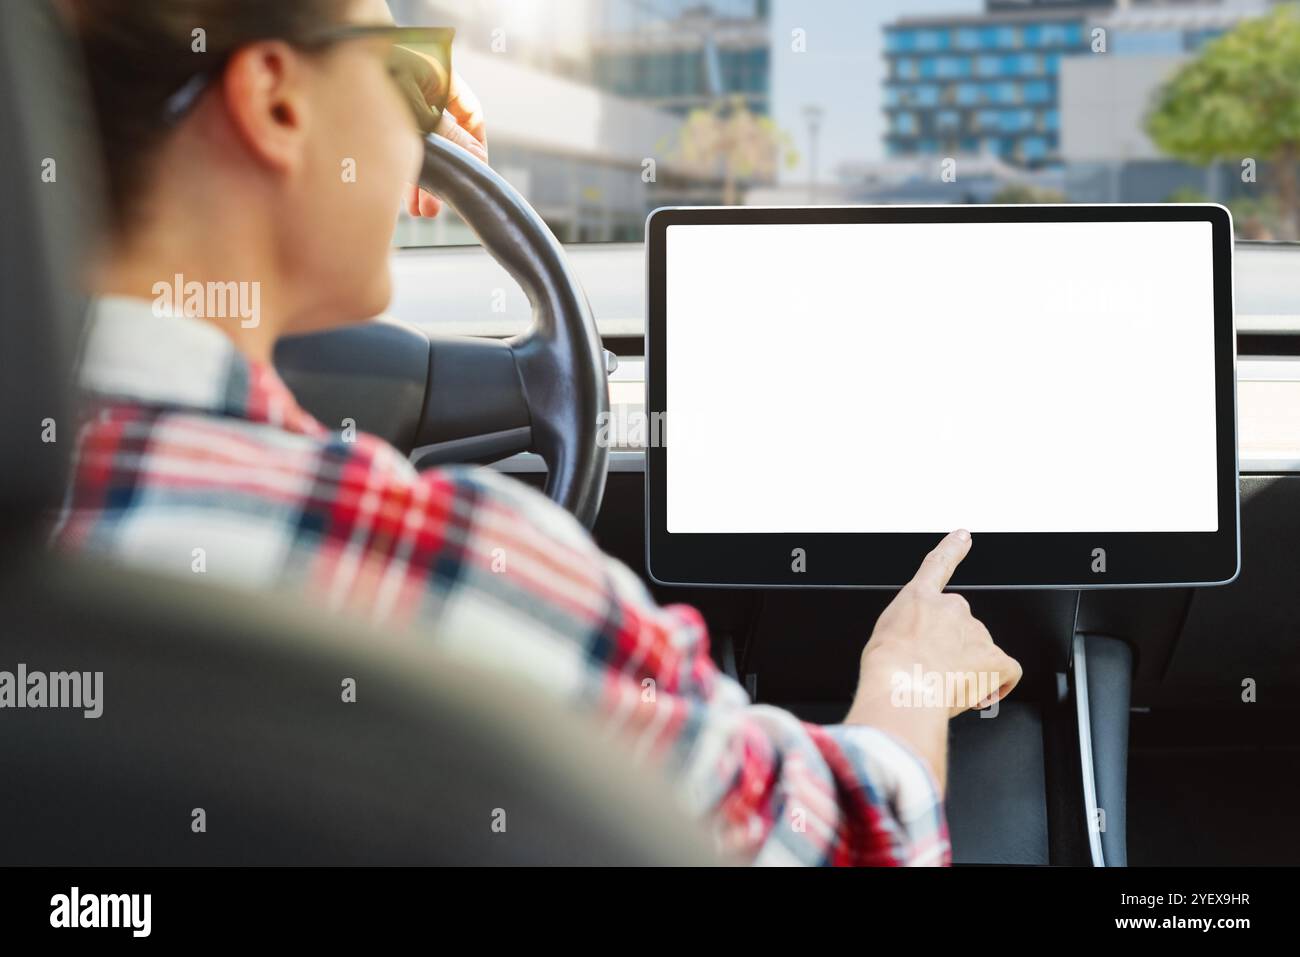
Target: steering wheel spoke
{"type": "Point", "coordinates": [475, 407]}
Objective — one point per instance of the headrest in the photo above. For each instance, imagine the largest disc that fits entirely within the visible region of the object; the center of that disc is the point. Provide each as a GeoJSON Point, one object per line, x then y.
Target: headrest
{"type": "Point", "coordinates": [48, 181]}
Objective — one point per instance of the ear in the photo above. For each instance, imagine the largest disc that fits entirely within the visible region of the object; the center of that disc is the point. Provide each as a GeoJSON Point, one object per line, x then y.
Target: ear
{"type": "Point", "coordinates": [265, 94]}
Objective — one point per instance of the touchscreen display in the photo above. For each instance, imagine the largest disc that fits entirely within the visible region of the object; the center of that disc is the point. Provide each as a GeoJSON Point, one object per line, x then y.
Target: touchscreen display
{"type": "Point", "coordinates": [921, 377]}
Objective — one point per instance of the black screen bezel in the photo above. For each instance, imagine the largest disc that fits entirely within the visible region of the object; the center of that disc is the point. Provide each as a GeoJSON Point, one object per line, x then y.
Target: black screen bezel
{"type": "Point", "coordinates": [887, 560]}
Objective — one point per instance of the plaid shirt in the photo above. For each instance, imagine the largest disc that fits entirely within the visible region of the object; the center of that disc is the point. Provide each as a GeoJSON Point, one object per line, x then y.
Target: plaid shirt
{"type": "Point", "coordinates": [187, 445]}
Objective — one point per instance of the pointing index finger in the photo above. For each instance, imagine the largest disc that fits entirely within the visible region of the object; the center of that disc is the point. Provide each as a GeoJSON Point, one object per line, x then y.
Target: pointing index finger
{"type": "Point", "coordinates": [938, 566]}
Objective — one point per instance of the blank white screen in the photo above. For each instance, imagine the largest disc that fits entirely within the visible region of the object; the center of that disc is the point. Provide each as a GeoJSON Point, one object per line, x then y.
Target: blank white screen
{"type": "Point", "coordinates": [1008, 377]}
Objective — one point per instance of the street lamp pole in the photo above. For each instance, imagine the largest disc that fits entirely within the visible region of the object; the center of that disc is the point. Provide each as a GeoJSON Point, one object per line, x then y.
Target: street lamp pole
{"type": "Point", "coordinates": [813, 117]}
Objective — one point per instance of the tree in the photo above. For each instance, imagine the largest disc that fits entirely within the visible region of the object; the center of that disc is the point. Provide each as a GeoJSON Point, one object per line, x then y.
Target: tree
{"type": "Point", "coordinates": [731, 135]}
{"type": "Point", "coordinates": [1238, 100]}
{"type": "Point", "coordinates": [1018, 194]}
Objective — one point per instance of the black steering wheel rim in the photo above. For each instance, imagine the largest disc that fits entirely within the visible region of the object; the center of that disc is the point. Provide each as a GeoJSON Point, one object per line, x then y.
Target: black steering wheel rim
{"type": "Point", "coordinates": [464, 399]}
{"type": "Point", "coordinates": [560, 359]}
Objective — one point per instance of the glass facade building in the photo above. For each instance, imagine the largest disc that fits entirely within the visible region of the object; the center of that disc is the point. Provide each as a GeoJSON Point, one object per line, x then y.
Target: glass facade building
{"type": "Point", "coordinates": [980, 84]}
{"type": "Point", "coordinates": [678, 55]}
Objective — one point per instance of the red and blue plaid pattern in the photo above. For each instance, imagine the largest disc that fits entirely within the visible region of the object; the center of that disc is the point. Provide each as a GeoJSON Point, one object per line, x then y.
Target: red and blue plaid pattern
{"type": "Point", "coordinates": [187, 446]}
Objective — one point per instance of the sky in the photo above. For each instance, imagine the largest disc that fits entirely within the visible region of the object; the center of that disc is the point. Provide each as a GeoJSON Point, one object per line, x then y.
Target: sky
{"type": "Point", "coordinates": [842, 71]}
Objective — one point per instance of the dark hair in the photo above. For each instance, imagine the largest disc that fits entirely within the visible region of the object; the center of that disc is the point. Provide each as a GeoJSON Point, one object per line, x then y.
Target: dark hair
{"type": "Point", "coordinates": [138, 53]}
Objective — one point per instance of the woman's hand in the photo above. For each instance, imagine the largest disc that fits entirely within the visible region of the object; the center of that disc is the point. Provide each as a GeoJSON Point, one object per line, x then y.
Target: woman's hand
{"type": "Point", "coordinates": [925, 640]}
{"type": "Point", "coordinates": [462, 123]}
{"type": "Point", "coordinates": [934, 631]}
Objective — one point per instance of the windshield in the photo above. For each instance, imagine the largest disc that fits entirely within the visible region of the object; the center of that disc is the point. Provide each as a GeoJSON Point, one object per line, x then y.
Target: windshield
{"type": "Point", "coordinates": [598, 111]}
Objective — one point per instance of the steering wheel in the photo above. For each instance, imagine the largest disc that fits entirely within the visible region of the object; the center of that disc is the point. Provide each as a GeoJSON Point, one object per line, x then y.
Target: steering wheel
{"type": "Point", "coordinates": [444, 399]}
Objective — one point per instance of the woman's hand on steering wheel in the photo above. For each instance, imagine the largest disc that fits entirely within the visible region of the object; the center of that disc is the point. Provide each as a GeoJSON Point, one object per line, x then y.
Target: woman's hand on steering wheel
{"type": "Point", "coordinates": [462, 123]}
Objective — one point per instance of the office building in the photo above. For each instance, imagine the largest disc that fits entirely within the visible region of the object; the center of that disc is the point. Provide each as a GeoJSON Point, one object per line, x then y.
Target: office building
{"type": "Point", "coordinates": [679, 55]}
{"type": "Point", "coordinates": [984, 83]}
{"type": "Point", "coordinates": [576, 151]}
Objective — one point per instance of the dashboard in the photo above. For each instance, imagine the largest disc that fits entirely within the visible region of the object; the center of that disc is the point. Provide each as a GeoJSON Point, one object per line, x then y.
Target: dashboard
{"type": "Point", "coordinates": [803, 647]}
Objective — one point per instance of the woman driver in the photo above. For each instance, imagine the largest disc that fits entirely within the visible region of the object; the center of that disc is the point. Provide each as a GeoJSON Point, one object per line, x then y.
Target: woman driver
{"type": "Point", "coordinates": [225, 163]}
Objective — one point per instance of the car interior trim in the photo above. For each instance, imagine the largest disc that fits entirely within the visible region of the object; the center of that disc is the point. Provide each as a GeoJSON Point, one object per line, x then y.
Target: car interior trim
{"type": "Point", "coordinates": [1079, 664]}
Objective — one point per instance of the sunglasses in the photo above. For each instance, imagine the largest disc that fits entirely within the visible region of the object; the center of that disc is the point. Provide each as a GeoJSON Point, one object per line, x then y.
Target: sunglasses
{"type": "Point", "coordinates": [419, 61]}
